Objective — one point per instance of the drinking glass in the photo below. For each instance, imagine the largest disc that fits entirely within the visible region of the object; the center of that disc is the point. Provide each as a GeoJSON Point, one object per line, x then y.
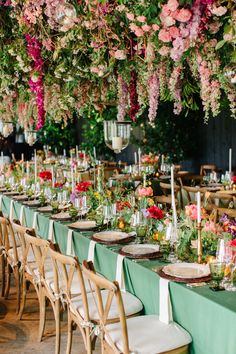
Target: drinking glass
{"type": "Point", "coordinates": [217, 270]}
{"type": "Point", "coordinates": [230, 259]}
{"type": "Point", "coordinates": [141, 226]}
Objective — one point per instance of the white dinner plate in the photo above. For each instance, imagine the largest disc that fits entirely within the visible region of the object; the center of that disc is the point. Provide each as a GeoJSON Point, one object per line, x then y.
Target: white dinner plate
{"type": "Point", "coordinates": [110, 236]}
{"type": "Point", "coordinates": [83, 225]}
{"type": "Point", "coordinates": [187, 270]}
{"type": "Point", "coordinates": [144, 249]}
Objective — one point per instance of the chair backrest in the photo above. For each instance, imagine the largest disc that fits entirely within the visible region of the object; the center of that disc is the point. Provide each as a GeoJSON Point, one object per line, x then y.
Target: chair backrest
{"type": "Point", "coordinates": [19, 232]}
{"type": "Point", "coordinates": [166, 188]}
{"type": "Point", "coordinates": [221, 200]}
{"type": "Point", "coordinates": [9, 239]}
{"type": "Point", "coordinates": [104, 305]}
{"type": "Point", "coordinates": [207, 168]}
{"type": "Point", "coordinates": [65, 268]}
{"type": "Point", "coordinates": [218, 212]}
{"type": "Point", "coordinates": [40, 248]}
{"type": "Point", "coordinates": [191, 193]}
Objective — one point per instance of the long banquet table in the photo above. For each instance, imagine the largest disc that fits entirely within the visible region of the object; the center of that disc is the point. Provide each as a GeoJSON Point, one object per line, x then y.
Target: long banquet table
{"type": "Point", "coordinates": [210, 317]}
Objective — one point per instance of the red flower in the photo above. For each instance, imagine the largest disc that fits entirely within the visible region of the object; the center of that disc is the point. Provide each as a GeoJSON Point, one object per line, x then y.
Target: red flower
{"type": "Point", "coordinates": [155, 213]}
{"type": "Point", "coordinates": [234, 179]}
{"type": "Point", "coordinates": [59, 185]}
{"type": "Point", "coordinates": [122, 204]}
{"type": "Point", "coordinates": [45, 175]}
{"type": "Point", "coordinates": [82, 155]}
{"type": "Point", "coordinates": [83, 186]}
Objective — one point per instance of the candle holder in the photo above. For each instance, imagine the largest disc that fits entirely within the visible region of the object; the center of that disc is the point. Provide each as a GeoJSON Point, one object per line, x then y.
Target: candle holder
{"type": "Point", "coordinates": [117, 135]}
{"type": "Point", "coordinates": [199, 242]}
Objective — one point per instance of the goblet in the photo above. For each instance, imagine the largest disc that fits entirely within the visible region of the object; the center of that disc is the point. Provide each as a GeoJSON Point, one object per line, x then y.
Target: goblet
{"type": "Point", "coordinates": [217, 273]}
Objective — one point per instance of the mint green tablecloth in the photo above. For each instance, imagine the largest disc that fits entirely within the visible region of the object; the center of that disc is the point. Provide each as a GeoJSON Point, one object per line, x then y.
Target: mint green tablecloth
{"type": "Point", "coordinates": [209, 317]}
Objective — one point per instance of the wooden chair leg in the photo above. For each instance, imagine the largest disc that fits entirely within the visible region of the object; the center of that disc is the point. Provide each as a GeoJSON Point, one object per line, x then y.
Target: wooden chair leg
{"type": "Point", "coordinates": [7, 289]}
{"type": "Point", "coordinates": [56, 309]}
{"type": "Point", "coordinates": [23, 298]}
{"type": "Point", "coordinates": [42, 313]}
{"type": "Point", "coordinates": [69, 334]}
{"type": "Point", "coordinates": [3, 263]}
{"type": "Point", "coordinates": [18, 292]}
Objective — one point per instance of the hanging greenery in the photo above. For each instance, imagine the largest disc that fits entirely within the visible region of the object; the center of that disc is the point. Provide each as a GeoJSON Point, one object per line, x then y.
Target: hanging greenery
{"type": "Point", "coordinates": [59, 56]}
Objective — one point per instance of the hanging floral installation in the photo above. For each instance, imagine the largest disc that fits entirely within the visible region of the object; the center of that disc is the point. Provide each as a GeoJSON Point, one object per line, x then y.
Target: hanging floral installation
{"type": "Point", "coordinates": [61, 56]}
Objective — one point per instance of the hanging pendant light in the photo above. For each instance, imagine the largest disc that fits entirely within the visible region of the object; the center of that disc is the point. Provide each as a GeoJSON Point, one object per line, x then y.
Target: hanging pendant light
{"type": "Point", "coordinates": [117, 135]}
{"type": "Point", "coordinates": [6, 128]}
{"type": "Point", "coordinates": [30, 137]}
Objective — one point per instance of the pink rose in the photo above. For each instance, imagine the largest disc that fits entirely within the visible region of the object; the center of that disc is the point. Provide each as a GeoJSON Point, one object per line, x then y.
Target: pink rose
{"type": "Point", "coordinates": [174, 32]}
{"type": "Point", "coordinates": [184, 32]}
{"type": "Point", "coordinates": [146, 28]}
{"type": "Point", "coordinates": [164, 35]}
{"type": "Point", "coordinates": [214, 27]}
{"type": "Point", "coordinates": [155, 27]}
{"type": "Point", "coordinates": [136, 29]}
{"type": "Point", "coordinates": [164, 50]}
{"type": "Point", "coordinates": [184, 15]}
{"type": "Point", "coordinates": [130, 16]}
{"type": "Point", "coordinates": [141, 19]}
{"type": "Point", "coordinates": [173, 5]}
{"type": "Point", "coordinates": [228, 36]}
{"type": "Point", "coordinates": [167, 21]}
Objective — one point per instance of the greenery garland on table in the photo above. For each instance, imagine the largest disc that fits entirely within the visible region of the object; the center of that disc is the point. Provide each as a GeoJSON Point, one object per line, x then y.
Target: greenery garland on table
{"type": "Point", "coordinates": [61, 56]}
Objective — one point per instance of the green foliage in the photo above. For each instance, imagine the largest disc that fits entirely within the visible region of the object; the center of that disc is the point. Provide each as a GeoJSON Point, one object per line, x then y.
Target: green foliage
{"type": "Point", "coordinates": [58, 136]}
{"type": "Point", "coordinates": [172, 135]}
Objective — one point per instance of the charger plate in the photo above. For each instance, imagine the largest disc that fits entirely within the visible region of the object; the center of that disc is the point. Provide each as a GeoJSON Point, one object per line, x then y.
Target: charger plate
{"type": "Point", "coordinates": [187, 270]}
{"type": "Point", "coordinates": [62, 216]}
{"type": "Point", "coordinates": [21, 198]}
{"type": "Point", "coordinates": [45, 209]}
{"type": "Point", "coordinates": [112, 237]}
{"type": "Point", "coordinates": [160, 272]}
{"type": "Point", "coordinates": [83, 225]}
{"type": "Point", "coordinates": [32, 203]}
{"type": "Point", "coordinates": [11, 193]}
{"type": "Point", "coordinates": [144, 250]}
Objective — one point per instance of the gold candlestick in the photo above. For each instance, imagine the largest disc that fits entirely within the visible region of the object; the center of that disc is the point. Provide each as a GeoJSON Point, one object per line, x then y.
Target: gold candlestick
{"type": "Point", "coordinates": [199, 242]}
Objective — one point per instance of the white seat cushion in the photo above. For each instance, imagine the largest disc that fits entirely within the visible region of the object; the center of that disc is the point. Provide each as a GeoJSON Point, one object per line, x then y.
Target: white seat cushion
{"type": "Point", "coordinates": [132, 305]}
{"type": "Point", "coordinates": [147, 335]}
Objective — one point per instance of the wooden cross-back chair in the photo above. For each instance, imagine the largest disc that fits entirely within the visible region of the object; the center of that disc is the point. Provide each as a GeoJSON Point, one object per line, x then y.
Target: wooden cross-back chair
{"type": "Point", "coordinates": [11, 259]}
{"type": "Point", "coordinates": [219, 200]}
{"type": "Point", "coordinates": [166, 198]}
{"type": "Point", "coordinates": [208, 168]}
{"type": "Point", "coordinates": [28, 262]}
{"type": "Point", "coordinates": [141, 334]}
{"type": "Point", "coordinates": [81, 309]}
{"type": "Point", "coordinates": [191, 193]}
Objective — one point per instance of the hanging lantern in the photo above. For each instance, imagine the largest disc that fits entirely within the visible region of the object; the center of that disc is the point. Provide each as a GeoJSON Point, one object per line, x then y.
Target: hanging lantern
{"type": "Point", "coordinates": [65, 13]}
{"type": "Point", "coordinates": [7, 128]}
{"type": "Point", "coordinates": [31, 137]}
{"type": "Point", "coordinates": [117, 135]}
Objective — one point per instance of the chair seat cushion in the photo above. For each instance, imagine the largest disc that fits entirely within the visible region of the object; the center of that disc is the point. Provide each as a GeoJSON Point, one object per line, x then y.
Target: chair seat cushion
{"type": "Point", "coordinates": [148, 335]}
{"type": "Point", "coordinates": [132, 305]}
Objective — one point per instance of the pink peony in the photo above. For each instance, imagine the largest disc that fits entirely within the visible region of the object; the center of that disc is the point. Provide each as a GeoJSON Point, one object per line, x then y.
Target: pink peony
{"type": "Point", "coordinates": [164, 35]}
{"type": "Point", "coordinates": [130, 16]}
{"type": "Point", "coordinates": [165, 11]}
{"type": "Point", "coordinates": [167, 21]}
{"type": "Point", "coordinates": [141, 19]}
{"type": "Point", "coordinates": [164, 50]}
{"type": "Point", "coordinates": [184, 15]}
{"type": "Point", "coordinates": [173, 5]}
{"type": "Point", "coordinates": [174, 32]}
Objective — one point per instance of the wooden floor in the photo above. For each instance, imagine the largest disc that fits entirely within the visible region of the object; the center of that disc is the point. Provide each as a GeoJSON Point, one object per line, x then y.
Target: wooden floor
{"type": "Point", "coordinates": [20, 337]}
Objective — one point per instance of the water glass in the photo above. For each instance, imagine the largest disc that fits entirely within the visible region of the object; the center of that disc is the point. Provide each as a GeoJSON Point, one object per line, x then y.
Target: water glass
{"type": "Point", "coordinates": [217, 270]}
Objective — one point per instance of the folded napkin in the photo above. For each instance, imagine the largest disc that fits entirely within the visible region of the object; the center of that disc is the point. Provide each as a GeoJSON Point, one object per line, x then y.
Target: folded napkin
{"type": "Point", "coordinates": [69, 248]}
{"type": "Point", "coordinates": [51, 231]}
{"type": "Point", "coordinates": [91, 250]}
{"type": "Point", "coordinates": [119, 272]}
{"type": "Point", "coordinates": [165, 314]}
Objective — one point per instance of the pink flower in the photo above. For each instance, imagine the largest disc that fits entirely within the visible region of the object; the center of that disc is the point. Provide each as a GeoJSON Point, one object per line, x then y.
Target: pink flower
{"type": "Point", "coordinates": [214, 27]}
{"type": "Point", "coordinates": [145, 192]}
{"type": "Point", "coordinates": [218, 11]}
{"type": "Point", "coordinates": [167, 20]}
{"type": "Point", "coordinates": [120, 54]}
{"type": "Point", "coordinates": [136, 29]}
{"type": "Point", "coordinates": [184, 15]}
{"type": "Point", "coordinates": [155, 27]}
{"type": "Point", "coordinates": [130, 16]}
{"type": "Point", "coordinates": [146, 28]}
{"type": "Point", "coordinates": [164, 50]}
{"type": "Point", "coordinates": [141, 19]}
{"type": "Point", "coordinates": [228, 36]}
{"type": "Point", "coordinates": [165, 11]}
{"type": "Point", "coordinates": [191, 211]}
{"type": "Point", "coordinates": [164, 35]}
{"type": "Point", "coordinates": [173, 5]}
{"type": "Point", "coordinates": [174, 32]}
